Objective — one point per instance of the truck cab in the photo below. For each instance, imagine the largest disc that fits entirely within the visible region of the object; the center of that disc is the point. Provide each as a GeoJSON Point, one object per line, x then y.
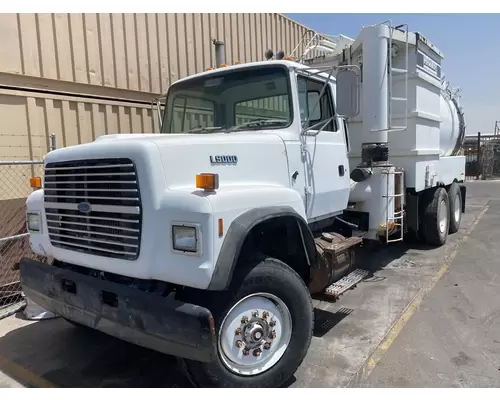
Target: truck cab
{"type": "Point", "coordinates": [277, 99]}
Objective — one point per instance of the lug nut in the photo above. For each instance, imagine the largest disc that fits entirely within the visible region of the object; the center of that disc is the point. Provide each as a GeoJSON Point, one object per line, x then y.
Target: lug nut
{"type": "Point", "coordinates": [246, 352]}
{"type": "Point", "coordinates": [257, 352]}
{"type": "Point", "coordinates": [255, 314]}
{"type": "Point", "coordinates": [265, 314]}
{"type": "Point", "coordinates": [272, 335]}
{"type": "Point", "coordinates": [272, 323]}
{"type": "Point", "coordinates": [237, 332]}
{"type": "Point", "coordinates": [239, 343]}
{"type": "Point", "coordinates": [267, 346]}
{"type": "Point", "coordinates": [244, 320]}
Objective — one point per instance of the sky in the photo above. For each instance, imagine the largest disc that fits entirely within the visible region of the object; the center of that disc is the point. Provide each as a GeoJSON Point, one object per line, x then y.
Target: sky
{"type": "Point", "coordinates": [471, 47]}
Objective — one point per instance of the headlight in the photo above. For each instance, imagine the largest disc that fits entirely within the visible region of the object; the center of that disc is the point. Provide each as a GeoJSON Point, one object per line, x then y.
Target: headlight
{"type": "Point", "coordinates": [34, 222]}
{"type": "Point", "coordinates": [185, 238]}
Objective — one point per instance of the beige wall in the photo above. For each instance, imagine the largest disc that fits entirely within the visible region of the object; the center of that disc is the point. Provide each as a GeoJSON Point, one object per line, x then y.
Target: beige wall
{"type": "Point", "coordinates": [143, 52]}
{"type": "Point", "coordinates": [118, 57]}
{"type": "Point", "coordinates": [27, 117]}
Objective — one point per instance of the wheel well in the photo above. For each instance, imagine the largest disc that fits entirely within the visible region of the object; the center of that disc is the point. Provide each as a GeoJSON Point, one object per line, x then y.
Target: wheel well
{"type": "Point", "coordinates": [280, 238]}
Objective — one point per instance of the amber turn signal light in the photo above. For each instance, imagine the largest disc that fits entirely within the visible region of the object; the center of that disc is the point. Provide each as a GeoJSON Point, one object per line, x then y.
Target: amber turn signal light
{"type": "Point", "coordinates": [36, 182]}
{"type": "Point", "coordinates": [207, 181]}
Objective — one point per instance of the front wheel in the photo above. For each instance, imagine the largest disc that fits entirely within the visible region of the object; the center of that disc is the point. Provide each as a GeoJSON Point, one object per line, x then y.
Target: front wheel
{"type": "Point", "coordinates": [264, 328]}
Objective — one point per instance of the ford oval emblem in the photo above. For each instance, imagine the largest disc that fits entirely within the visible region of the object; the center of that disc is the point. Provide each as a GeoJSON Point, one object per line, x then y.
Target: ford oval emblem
{"type": "Point", "coordinates": [84, 207]}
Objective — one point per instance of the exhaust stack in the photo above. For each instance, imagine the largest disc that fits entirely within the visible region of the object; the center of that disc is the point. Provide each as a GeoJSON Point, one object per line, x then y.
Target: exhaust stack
{"type": "Point", "coordinates": [219, 52]}
{"type": "Point", "coordinates": [372, 188]}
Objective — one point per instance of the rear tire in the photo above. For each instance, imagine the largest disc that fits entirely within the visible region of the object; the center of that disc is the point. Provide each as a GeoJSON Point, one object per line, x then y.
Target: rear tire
{"type": "Point", "coordinates": [455, 198]}
{"type": "Point", "coordinates": [272, 358]}
{"type": "Point", "coordinates": [436, 217]}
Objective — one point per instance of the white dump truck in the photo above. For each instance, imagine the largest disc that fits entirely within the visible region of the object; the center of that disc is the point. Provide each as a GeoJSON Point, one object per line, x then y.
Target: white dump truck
{"type": "Point", "coordinates": [207, 241]}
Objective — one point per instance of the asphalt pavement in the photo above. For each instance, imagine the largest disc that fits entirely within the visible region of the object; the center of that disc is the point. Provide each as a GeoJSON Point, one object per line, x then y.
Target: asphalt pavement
{"type": "Point", "coordinates": [453, 340]}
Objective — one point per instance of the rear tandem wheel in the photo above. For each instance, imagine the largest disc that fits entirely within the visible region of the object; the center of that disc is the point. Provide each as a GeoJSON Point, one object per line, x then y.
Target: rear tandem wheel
{"type": "Point", "coordinates": [435, 217]}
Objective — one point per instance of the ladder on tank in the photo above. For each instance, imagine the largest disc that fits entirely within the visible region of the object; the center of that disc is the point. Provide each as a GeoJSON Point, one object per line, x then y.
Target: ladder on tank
{"type": "Point", "coordinates": [396, 72]}
{"type": "Point", "coordinates": [396, 222]}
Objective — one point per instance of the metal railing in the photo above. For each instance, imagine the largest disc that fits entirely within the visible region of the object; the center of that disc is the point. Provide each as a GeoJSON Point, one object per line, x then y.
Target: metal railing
{"type": "Point", "coordinates": [14, 238]}
{"type": "Point", "coordinates": [482, 157]}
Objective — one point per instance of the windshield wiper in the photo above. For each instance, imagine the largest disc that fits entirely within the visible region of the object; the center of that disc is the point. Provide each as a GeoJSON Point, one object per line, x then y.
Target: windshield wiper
{"type": "Point", "coordinates": [258, 122]}
{"type": "Point", "coordinates": [204, 129]}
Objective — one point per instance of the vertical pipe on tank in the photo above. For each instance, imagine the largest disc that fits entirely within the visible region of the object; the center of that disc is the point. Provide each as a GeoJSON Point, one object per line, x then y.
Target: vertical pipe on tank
{"type": "Point", "coordinates": [219, 52]}
{"type": "Point", "coordinates": [374, 147]}
{"type": "Point", "coordinates": [375, 84]}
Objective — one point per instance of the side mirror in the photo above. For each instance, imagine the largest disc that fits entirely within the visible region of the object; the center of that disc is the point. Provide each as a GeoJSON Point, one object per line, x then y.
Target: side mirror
{"type": "Point", "coordinates": [348, 91]}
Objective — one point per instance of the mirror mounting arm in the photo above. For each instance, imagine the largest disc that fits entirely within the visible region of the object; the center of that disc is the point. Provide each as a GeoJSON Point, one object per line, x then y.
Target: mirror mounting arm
{"type": "Point", "coordinates": [156, 102]}
{"type": "Point", "coordinates": [338, 68]}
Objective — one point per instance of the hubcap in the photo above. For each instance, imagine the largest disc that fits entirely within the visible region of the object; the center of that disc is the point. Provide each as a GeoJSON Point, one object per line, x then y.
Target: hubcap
{"type": "Point", "coordinates": [442, 216]}
{"type": "Point", "coordinates": [457, 207]}
{"type": "Point", "coordinates": [255, 334]}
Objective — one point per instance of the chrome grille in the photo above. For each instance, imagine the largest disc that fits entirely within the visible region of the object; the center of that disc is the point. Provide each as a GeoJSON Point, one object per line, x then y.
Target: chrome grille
{"type": "Point", "coordinates": [112, 227]}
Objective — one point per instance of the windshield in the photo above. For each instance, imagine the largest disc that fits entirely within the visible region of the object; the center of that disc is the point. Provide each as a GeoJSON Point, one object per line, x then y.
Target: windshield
{"type": "Point", "coordinates": [250, 98]}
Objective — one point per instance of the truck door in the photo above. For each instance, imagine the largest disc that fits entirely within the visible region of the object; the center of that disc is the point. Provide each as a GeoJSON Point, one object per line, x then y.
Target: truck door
{"type": "Point", "coordinates": [325, 161]}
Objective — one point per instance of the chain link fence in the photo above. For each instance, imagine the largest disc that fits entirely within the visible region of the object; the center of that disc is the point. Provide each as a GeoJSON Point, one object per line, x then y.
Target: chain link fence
{"type": "Point", "coordinates": [490, 159]}
{"type": "Point", "coordinates": [14, 245]}
{"type": "Point", "coordinates": [482, 156]}
{"type": "Point", "coordinates": [14, 238]}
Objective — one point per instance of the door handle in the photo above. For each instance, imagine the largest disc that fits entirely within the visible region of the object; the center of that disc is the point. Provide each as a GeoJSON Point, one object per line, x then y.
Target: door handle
{"type": "Point", "coordinates": [341, 170]}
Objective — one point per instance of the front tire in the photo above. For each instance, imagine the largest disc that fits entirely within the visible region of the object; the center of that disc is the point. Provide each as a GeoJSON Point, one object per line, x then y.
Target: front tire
{"type": "Point", "coordinates": [264, 327]}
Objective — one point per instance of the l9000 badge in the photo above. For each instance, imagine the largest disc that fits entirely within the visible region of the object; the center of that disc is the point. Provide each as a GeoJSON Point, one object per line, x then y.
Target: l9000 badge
{"type": "Point", "coordinates": [223, 159]}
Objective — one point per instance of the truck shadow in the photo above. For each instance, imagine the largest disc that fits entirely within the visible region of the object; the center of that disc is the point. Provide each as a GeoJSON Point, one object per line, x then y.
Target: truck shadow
{"type": "Point", "coordinates": [373, 258]}
{"type": "Point", "coordinates": [71, 357]}
{"type": "Point", "coordinates": [68, 356]}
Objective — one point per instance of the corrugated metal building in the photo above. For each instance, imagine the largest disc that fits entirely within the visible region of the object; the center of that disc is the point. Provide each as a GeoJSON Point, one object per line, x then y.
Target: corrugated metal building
{"type": "Point", "coordinates": [84, 75]}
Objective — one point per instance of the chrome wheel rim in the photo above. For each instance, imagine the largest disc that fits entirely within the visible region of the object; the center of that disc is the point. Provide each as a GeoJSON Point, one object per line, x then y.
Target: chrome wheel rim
{"type": "Point", "coordinates": [457, 207]}
{"type": "Point", "coordinates": [442, 216]}
{"type": "Point", "coordinates": [255, 334]}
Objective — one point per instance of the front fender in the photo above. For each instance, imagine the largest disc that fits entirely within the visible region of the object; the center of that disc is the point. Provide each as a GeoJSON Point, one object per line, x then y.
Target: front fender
{"type": "Point", "coordinates": [267, 203]}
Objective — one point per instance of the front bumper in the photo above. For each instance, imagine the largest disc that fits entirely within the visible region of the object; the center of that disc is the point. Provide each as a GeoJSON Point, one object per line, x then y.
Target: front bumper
{"type": "Point", "coordinates": [158, 323]}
